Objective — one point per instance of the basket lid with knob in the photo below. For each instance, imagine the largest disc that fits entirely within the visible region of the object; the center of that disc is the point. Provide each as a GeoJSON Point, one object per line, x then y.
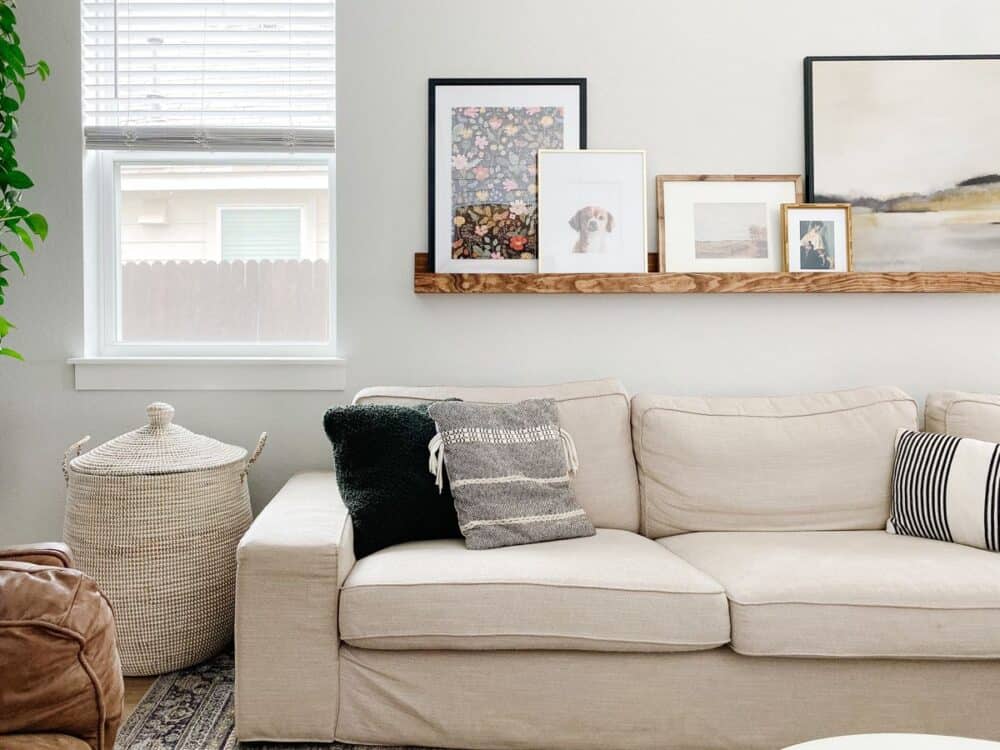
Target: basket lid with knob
{"type": "Point", "coordinates": [159, 447]}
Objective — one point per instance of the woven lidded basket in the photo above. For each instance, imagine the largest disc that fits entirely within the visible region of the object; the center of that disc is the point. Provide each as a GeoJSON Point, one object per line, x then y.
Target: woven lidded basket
{"type": "Point", "coordinates": [154, 516]}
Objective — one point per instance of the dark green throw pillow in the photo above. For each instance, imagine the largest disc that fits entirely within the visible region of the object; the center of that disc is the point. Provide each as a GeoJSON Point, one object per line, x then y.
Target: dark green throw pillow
{"type": "Point", "coordinates": [380, 453]}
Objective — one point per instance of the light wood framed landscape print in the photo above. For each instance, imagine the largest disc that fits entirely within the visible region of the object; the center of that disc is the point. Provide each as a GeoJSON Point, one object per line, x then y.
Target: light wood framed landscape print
{"type": "Point", "coordinates": [592, 212]}
{"type": "Point", "coordinates": [485, 134]}
{"type": "Point", "coordinates": [723, 223]}
{"type": "Point", "coordinates": [817, 237]}
{"type": "Point", "coordinates": [913, 143]}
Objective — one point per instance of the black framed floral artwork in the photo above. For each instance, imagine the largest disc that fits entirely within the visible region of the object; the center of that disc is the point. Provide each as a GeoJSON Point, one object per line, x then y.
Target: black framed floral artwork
{"type": "Point", "coordinates": [485, 134]}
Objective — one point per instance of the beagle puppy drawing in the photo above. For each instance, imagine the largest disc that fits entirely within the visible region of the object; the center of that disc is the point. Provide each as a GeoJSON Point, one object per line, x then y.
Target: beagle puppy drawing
{"type": "Point", "coordinates": [594, 224]}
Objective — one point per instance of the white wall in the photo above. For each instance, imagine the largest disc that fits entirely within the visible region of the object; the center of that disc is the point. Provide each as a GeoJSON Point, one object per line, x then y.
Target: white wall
{"type": "Point", "coordinates": [706, 86]}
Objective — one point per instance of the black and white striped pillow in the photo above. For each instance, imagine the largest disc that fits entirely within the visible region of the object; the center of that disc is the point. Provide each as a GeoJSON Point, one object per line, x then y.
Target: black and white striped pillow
{"type": "Point", "coordinates": [946, 487]}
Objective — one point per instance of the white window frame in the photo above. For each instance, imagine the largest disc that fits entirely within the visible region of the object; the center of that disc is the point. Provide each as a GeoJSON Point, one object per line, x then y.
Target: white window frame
{"type": "Point", "coordinates": [103, 271]}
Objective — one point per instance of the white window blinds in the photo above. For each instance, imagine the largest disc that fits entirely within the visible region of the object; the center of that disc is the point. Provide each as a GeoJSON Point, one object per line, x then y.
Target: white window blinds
{"type": "Point", "coordinates": [246, 75]}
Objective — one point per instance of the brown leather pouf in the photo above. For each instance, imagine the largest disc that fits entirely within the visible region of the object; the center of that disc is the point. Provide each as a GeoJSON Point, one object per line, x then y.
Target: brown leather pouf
{"type": "Point", "coordinates": [61, 673]}
{"type": "Point", "coordinates": [41, 742]}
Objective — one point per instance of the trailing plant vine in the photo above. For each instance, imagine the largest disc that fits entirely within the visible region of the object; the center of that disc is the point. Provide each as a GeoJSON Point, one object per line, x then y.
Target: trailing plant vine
{"type": "Point", "coordinates": [20, 227]}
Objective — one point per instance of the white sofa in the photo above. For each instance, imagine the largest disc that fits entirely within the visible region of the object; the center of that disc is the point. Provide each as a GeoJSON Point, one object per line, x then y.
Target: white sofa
{"type": "Point", "coordinates": [740, 593]}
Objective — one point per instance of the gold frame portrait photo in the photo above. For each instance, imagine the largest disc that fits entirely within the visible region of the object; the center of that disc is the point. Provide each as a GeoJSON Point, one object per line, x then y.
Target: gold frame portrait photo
{"type": "Point", "coordinates": [817, 237]}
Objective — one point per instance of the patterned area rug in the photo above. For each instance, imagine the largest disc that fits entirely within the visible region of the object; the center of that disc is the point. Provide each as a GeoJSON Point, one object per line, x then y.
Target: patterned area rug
{"type": "Point", "coordinates": [193, 710]}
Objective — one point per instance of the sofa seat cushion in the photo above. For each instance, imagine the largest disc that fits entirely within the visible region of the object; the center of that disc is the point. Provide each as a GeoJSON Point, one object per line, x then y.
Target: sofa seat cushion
{"type": "Point", "coordinates": [615, 591]}
{"type": "Point", "coordinates": [852, 593]}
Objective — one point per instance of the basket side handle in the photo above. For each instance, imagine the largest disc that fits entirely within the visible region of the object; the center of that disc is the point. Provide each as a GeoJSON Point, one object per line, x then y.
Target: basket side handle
{"type": "Point", "coordinates": [72, 452]}
{"type": "Point", "coordinates": [261, 442]}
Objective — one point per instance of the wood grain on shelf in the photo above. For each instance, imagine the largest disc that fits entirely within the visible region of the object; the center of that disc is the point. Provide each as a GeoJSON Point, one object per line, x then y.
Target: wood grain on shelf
{"type": "Point", "coordinates": [425, 282]}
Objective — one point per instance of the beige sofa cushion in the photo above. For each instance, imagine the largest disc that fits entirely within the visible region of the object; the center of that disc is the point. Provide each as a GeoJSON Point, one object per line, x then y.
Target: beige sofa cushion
{"type": "Point", "coordinates": [974, 415]}
{"type": "Point", "coordinates": [818, 462]}
{"type": "Point", "coordinates": [595, 413]}
{"type": "Point", "coordinates": [852, 593]}
{"type": "Point", "coordinates": [616, 591]}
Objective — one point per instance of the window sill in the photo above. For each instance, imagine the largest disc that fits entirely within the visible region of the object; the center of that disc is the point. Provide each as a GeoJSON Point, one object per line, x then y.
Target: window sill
{"type": "Point", "coordinates": [209, 373]}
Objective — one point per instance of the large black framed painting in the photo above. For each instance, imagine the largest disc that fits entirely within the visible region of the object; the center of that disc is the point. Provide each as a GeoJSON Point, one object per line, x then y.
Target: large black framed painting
{"type": "Point", "coordinates": [485, 134]}
{"type": "Point", "coordinates": [913, 144]}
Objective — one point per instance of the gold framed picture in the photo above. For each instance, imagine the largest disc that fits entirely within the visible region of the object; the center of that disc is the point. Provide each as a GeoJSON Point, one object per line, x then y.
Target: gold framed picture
{"type": "Point", "coordinates": [817, 237]}
{"type": "Point", "coordinates": [723, 223]}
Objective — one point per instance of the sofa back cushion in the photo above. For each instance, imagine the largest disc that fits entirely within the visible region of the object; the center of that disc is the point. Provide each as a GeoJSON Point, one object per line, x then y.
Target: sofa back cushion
{"type": "Point", "coordinates": [973, 415]}
{"type": "Point", "coordinates": [800, 463]}
{"type": "Point", "coordinates": [594, 413]}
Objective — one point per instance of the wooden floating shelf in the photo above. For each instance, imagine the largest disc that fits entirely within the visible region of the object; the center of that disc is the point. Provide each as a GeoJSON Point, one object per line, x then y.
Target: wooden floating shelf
{"type": "Point", "coordinates": [426, 282]}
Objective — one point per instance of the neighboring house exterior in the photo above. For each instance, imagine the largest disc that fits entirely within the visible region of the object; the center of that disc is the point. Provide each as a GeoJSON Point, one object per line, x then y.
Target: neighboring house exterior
{"type": "Point", "coordinates": [227, 212]}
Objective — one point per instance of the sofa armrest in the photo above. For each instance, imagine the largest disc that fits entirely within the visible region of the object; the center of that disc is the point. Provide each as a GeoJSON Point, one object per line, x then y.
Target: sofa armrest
{"type": "Point", "coordinates": [290, 566]}
{"type": "Point", "coordinates": [53, 554]}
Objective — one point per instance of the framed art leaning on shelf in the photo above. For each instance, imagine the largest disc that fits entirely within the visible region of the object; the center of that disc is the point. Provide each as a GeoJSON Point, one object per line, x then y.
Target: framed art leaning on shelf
{"type": "Point", "coordinates": [592, 211]}
{"type": "Point", "coordinates": [913, 144]}
{"type": "Point", "coordinates": [723, 223]}
{"type": "Point", "coordinates": [485, 134]}
{"type": "Point", "coordinates": [817, 237]}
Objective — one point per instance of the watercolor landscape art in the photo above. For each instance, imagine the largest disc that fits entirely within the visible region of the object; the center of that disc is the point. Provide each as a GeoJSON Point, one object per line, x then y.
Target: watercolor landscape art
{"type": "Point", "coordinates": [914, 146]}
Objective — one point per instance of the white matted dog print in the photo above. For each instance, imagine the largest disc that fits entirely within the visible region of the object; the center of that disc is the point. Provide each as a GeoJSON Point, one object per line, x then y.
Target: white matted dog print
{"type": "Point", "coordinates": [592, 211]}
{"type": "Point", "coordinates": [595, 228]}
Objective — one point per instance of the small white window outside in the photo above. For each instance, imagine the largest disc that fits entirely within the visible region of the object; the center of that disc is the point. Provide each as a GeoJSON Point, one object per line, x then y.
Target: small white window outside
{"type": "Point", "coordinates": [221, 253]}
{"type": "Point", "coordinates": [260, 233]}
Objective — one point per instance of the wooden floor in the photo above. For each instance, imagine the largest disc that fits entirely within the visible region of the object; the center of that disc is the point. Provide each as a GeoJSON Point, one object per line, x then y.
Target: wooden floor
{"type": "Point", "coordinates": [135, 689]}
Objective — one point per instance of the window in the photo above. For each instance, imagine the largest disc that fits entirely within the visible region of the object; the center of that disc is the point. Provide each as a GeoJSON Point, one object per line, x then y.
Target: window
{"type": "Point", "coordinates": [210, 145]}
{"type": "Point", "coordinates": [236, 253]}
{"type": "Point", "coordinates": [255, 233]}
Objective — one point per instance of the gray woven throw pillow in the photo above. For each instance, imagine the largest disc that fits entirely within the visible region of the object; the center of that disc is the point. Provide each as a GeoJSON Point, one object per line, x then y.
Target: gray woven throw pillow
{"type": "Point", "coordinates": [509, 467]}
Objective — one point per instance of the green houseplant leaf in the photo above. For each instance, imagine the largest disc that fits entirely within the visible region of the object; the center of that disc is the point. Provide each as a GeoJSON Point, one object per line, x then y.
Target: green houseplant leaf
{"type": "Point", "coordinates": [23, 235]}
{"type": "Point", "coordinates": [16, 179]}
{"type": "Point", "coordinates": [37, 224]}
{"type": "Point", "coordinates": [7, 19]}
{"type": "Point", "coordinates": [16, 257]}
{"type": "Point", "coordinates": [15, 220]}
